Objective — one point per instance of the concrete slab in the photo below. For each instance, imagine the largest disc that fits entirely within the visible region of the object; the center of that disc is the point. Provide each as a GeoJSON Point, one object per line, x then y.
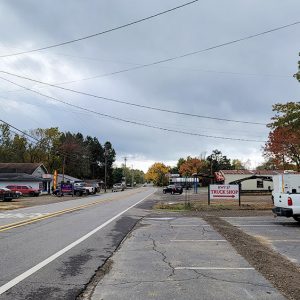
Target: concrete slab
{"type": "Point", "coordinates": [151, 265]}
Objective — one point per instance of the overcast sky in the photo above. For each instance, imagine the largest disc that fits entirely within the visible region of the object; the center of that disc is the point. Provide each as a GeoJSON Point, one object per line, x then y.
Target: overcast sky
{"type": "Point", "coordinates": [239, 81]}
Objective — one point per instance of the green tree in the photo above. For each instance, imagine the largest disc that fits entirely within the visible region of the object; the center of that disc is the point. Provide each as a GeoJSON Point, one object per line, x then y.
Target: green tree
{"type": "Point", "coordinates": [217, 161]}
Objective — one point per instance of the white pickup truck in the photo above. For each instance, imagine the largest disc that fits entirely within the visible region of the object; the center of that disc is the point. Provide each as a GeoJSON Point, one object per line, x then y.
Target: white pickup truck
{"type": "Point", "coordinates": [286, 195]}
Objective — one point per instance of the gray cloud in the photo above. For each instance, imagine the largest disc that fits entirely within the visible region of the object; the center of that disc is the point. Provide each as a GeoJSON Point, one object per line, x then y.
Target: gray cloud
{"type": "Point", "coordinates": [199, 84]}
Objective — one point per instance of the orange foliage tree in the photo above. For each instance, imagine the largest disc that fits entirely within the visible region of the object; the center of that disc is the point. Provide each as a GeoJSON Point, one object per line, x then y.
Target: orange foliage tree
{"type": "Point", "coordinates": [192, 165]}
{"type": "Point", "coordinates": [283, 145]}
{"type": "Point", "coordinates": [157, 174]}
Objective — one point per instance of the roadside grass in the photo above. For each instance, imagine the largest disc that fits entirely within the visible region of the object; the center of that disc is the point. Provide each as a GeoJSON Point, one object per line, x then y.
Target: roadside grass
{"type": "Point", "coordinates": [201, 206]}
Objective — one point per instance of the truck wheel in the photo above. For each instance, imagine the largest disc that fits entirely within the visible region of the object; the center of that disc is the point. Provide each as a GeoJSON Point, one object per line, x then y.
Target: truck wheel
{"type": "Point", "coordinates": [164, 191]}
{"type": "Point", "coordinates": [297, 218]}
{"type": "Point", "coordinates": [172, 192]}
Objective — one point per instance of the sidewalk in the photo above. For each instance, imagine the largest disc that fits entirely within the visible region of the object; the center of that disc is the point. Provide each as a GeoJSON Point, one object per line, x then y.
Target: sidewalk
{"type": "Point", "coordinates": [180, 258]}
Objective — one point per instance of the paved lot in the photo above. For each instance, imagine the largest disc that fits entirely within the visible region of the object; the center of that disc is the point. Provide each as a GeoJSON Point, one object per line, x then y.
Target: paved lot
{"type": "Point", "coordinates": [282, 234]}
{"type": "Point", "coordinates": [180, 258]}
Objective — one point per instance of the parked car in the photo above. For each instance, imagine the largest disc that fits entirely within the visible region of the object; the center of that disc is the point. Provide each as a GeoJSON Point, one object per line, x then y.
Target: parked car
{"type": "Point", "coordinates": [24, 189]}
{"type": "Point", "coordinates": [173, 189]}
{"type": "Point", "coordinates": [118, 187]}
{"type": "Point", "coordinates": [6, 194]}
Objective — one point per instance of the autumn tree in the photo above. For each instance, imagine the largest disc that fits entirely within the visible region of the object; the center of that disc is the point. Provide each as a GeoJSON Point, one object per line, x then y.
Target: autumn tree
{"type": "Point", "coordinates": [192, 165]}
{"type": "Point", "coordinates": [283, 145]}
{"type": "Point", "coordinates": [237, 164]}
{"type": "Point", "coordinates": [157, 174]}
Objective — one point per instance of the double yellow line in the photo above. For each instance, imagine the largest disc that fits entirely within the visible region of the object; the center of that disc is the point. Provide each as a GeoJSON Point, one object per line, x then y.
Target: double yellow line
{"type": "Point", "coordinates": [61, 212]}
{"type": "Point", "coordinates": [50, 215]}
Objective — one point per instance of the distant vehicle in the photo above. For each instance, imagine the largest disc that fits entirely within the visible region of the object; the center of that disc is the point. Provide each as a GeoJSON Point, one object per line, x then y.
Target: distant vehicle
{"type": "Point", "coordinates": [286, 195]}
{"type": "Point", "coordinates": [24, 189]}
{"type": "Point", "coordinates": [173, 189]}
{"type": "Point", "coordinates": [89, 188]}
{"type": "Point", "coordinates": [118, 187]}
{"type": "Point", "coordinates": [6, 194]}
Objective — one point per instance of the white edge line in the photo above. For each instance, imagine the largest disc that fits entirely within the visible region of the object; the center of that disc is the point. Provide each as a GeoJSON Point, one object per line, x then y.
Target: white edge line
{"type": "Point", "coordinates": [256, 225]}
{"type": "Point", "coordinates": [45, 262]}
{"type": "Point", "coordinates": [210, 268]}
{"type": "Point", "coordinates": [198, 240]}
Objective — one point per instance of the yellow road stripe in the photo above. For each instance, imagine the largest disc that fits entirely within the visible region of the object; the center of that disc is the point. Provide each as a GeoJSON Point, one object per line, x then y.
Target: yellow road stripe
{"type": "Point", "coordinates": [57, 213]}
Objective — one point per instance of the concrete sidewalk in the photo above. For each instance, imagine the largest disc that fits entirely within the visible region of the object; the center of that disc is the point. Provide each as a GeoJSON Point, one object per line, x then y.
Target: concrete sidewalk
{"type": "Point", "coordinates": [180, 258]}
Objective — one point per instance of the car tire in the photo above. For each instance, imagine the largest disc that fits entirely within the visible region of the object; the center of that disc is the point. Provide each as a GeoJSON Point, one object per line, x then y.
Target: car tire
{"type": "Point", "coordinates": [296, 218]}
{"type": "Point", "coordinates": [172, 192]}
{"type": "Point", "coordinates": [164, 192]}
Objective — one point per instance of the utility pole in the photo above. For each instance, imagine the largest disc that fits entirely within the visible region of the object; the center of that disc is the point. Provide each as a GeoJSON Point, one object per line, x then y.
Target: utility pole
{"type": "Point", "coordinates": [124, 171]}
{"type": "Point", "coordinates": [132, 176]}
{"type": "Point", "coordinates": [63, 168]}
{"type": "Point", "coordinates": [105, 168]}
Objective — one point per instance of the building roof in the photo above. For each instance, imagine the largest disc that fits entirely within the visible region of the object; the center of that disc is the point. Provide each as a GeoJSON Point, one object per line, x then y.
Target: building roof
{"type": "Point", "coordinates": [11, 177]}
{"type": "Point", "coordinates": [27, 168]}
{"type": "Point", "coordinates": [252, 172]}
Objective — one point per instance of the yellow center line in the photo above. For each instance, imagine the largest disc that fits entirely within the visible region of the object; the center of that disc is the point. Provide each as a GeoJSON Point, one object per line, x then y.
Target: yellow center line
{"type": "Point", "coordinates": [57, 213]}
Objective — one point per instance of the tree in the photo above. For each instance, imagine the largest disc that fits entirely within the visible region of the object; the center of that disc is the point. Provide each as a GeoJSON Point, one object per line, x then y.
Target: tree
{"type": "Point", "coordinates": [217, 161]}
{"type": "Point", "coordinates": [157, 174]}
{"type": "Point", "coordinates": [237, 165]}
{"type": "Point", "coordinates": [191, 166]}
{"type": "Point", "coordinates": [283, 145]}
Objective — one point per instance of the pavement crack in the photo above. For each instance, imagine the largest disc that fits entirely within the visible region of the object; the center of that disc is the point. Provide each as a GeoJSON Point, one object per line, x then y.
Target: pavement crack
{"type": "Point", "coordinates": [164, 257]}
{"type": "Point", "coordinates": [229, 281]}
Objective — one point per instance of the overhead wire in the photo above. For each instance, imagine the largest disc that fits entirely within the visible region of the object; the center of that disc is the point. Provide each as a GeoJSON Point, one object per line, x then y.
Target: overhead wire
{"type": "Point", "coordinates": [132, 122]}
{"type": "Point", "coordinates": [131, 103]}
{"type": "Point", "coordinates": [36, 141]}
{"type": "Point", "coordinates": [102, 32]}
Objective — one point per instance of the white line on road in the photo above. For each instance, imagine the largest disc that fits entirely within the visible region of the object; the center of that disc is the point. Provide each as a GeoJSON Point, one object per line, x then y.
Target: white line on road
{"type": "Point", "coordinates": [256, 225]}
{"type": "Point", "coordinates": [189, 225]}
{"type": "Point", "coordinates": [45, 262]}
{"type": "Point", "coordinates": [293, 241]}
{"type": "Point", "coordinates": [198, 241]}
{"type": "Point", "coordinates": [210, 268]}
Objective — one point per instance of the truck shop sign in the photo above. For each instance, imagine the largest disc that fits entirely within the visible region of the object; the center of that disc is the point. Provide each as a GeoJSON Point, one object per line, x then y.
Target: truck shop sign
{"type": "Point", "coordinates": [224, 191]}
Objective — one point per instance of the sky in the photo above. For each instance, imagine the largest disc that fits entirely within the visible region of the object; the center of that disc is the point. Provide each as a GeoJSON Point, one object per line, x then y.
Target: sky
{"type": "Point", "coordinates": [240, 81]}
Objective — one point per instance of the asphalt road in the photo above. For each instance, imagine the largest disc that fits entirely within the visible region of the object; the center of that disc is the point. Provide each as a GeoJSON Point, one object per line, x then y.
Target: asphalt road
{"type": "Point", "coordinates": [52, 251]}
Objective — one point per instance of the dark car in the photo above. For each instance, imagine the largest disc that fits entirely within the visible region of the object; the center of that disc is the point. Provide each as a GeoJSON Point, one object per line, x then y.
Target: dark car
{"type": "Point", "coordinates": [173, 189]}
{"type": "Point", "coordinates": [6, 194]}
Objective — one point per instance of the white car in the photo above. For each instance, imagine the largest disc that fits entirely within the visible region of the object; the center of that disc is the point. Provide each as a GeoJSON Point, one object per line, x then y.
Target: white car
{"type": "Point", "coordinates": [118, 187]}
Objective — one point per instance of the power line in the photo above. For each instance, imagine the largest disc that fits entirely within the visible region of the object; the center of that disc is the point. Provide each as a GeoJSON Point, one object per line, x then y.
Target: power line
{"type": "Point", "coordinates": [37, 141]}
{"type": "Point", "coordinates": [102, 32]}
{"type": "Point", "coordinates": [133, 122]}
{"type": "Point", "coordinates": [189, 53]}
{"type": "Point", "coordinates": [130, 103]}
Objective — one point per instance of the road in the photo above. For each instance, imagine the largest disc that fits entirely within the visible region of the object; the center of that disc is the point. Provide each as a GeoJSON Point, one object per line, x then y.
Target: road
{"type": "Point", "coordinates": [52, 251]}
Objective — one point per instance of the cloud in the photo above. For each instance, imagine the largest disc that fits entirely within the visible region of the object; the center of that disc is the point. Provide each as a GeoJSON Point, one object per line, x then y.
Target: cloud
{"type": "Point", "coordinates": [240, 81]}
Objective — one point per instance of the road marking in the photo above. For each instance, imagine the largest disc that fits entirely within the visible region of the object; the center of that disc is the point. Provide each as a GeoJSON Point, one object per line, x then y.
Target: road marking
{"type": "Point", "coordinates": [204, 225]}
{"type": "Point", "coordinates": [21, 215]}
{"type": "Point", "coordinates": [256, 225]}
{"type": "Point", "coordinates": [160, 219]}
{"type": "Point", "coordinates": [198, 241]}
{"type": "Point", "coordinates": [210, 268]}
{"type": "Point", "coordinates": [293, 241]}
{"type": "Point", "coordinates": [48, 260]}
{"type": "Point", "coordinates": [51, 215]}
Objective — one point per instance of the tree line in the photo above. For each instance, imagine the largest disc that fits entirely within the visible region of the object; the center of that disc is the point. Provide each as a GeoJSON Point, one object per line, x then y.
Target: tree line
{"type": "Point", "coordinates": [72, 153]}
{"type": "Point", "coordinates": [186, 167]}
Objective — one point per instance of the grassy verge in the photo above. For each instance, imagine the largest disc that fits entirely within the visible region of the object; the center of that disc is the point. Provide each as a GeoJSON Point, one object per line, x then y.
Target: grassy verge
{"type": "Point", "coordinates": [200, 206]}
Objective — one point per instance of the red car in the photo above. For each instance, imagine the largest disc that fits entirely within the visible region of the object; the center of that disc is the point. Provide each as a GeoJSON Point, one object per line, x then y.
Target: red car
{"type": "Point", "coordinates": [24, 189]}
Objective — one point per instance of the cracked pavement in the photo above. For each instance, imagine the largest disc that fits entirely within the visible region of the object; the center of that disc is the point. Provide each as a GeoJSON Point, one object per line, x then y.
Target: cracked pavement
{"type": "Point", "coordinates": [180, 258]}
